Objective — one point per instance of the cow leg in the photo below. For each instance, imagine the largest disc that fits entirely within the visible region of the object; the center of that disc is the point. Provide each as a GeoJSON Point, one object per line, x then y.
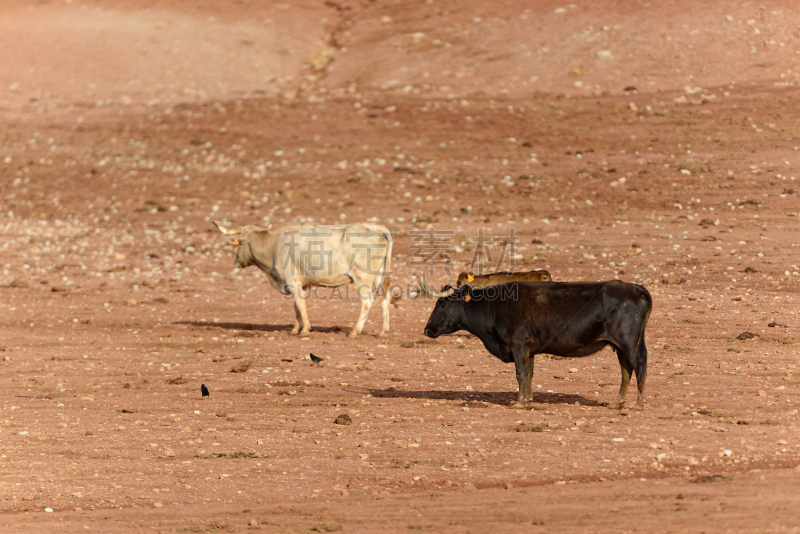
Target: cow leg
{"type": "Point", "coordinates": [626, 366]}
{"type": "Point", "coordinates": [297, 319]}
{"type": "Point", "coordinates": [301, 314]}
{"type": "Point", "coordinates": [385, 311]}
{"type": "Point", "coordinates": [366, 307]}
{"type": "Point", "coordinates": [523, 362]}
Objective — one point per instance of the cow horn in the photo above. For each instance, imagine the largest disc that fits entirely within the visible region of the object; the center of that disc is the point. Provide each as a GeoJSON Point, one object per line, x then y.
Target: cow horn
{"type": "Point", "coordinates": [432, 292]}
{"type": "Point", "coordinates": [222, 228]}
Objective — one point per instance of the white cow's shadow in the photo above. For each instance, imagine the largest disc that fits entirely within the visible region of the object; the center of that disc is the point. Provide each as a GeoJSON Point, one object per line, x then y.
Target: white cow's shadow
{"type": "Point", "coordinates": [263, 327]}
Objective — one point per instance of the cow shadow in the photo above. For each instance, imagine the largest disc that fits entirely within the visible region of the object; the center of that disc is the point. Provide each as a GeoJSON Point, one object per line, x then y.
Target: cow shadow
{"type": "Point", "coordinates": [262, 327]}
{"type": "Point", "coordinates": [503, 398]}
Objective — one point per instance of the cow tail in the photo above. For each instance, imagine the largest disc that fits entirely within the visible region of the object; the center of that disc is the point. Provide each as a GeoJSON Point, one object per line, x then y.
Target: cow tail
{"type": "Point", "coordinates": [387, 267]}
{"type": "Point", "coordinates": [641, 352]}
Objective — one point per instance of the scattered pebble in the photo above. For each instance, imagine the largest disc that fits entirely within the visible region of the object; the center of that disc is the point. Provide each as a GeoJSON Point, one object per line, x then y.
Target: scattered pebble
{"type": "Point", "coordinates": [343, 419]}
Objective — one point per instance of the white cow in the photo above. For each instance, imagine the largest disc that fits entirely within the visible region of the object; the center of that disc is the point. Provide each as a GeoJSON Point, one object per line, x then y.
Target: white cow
{"type": "Point", "coordinates": [296, 256]}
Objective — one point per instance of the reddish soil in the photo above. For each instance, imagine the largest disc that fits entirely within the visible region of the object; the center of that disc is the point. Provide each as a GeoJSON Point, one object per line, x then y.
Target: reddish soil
{"type": "Point", "coordinates": [119, 298]}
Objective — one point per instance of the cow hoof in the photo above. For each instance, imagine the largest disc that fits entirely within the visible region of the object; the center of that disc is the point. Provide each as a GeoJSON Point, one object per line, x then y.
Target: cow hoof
{"type": "Point", "coordinates": [294, 332]}
{"type": "Point", "coordinates": [305, 334]}
{"type": "Point", "coordinates": [382, 334]}
{"type": "Point", "coordinates": [352, 335]}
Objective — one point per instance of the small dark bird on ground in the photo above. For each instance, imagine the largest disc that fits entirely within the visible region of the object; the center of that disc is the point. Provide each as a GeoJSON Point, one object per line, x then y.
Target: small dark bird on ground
{"type": "Point", "coordinates": [315, 359]}
{"type": "Point", "coordinates": [203, 391]}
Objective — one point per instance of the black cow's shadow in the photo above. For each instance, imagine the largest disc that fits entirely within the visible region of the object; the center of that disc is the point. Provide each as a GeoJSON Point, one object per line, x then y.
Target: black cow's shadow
{"type": "Point", "coordinates": [503, 398]}
{"type": "Point", "coordinates": [262, 327]}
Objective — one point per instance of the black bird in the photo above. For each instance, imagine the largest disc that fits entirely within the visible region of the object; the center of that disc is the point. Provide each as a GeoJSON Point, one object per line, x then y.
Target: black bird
{"type": "Point", "coordinates": [315, 359]}
{"type": "Point", "coordinates": [203, 391]}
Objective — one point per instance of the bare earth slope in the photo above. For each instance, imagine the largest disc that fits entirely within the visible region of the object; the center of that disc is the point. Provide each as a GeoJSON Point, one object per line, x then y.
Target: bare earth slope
{"type": "Point", "coordinates": [517, 48]}
{"type": "Point", "coordinates": [154, 52]}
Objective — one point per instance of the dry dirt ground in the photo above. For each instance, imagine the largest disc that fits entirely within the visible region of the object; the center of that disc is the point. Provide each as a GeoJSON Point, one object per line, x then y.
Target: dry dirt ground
{"type": "Point", "coordinates": [119, 298]}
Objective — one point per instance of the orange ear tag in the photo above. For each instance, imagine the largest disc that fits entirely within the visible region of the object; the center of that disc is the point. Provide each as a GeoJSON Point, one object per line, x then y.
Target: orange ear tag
{"type": "Point", "coordinates": [470, 278]}
{"type": "Point", "coordinates": [235, 241]}
{"type": "Point", "coordinates": [467, 299]}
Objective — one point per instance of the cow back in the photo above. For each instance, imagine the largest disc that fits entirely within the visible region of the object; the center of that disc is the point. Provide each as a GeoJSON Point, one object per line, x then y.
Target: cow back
{"type": "Point", "coordinates": [308, 254]}
{"type": "Point", "coordinates": [503, 277]}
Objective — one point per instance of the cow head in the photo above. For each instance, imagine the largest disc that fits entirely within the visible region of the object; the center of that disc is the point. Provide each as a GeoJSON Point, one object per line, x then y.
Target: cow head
{"type": "Point", "coordinates": [241, 239]}
{"type": "Point", "coordinates": [448, 312]}
{"type": "Point", "coordinates": [465, 278]}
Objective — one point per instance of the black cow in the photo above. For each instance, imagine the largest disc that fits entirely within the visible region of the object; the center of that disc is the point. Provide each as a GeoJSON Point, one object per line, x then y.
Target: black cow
{"type": "Point", "coordinates": [518, 320]}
